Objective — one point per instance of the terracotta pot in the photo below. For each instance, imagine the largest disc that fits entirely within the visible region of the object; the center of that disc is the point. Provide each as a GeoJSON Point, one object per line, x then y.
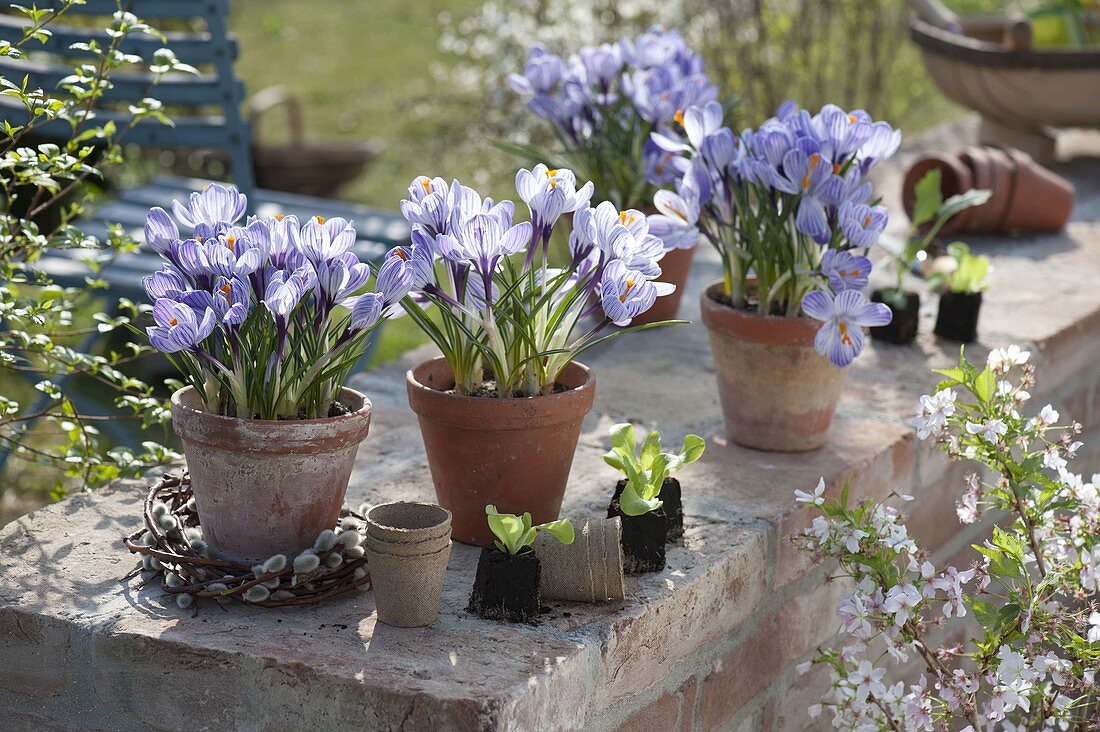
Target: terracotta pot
{"type": "Point", "coordinates": [1041, 200]}
{"type": "Point", "coordinates": [955, 178]}
{"type": "Point", "coordinates": [976, 159]}
{"type": "Point", "coordinates": [1003, 169]}
{"type": "Point", "coordinates": [265, 487]}
{"type": "Point", "coordinates": [675, 269]}
{"type": "Point", "coordinates": [512, 453]}
{"type": "Point", "coordinates": [777, 392]}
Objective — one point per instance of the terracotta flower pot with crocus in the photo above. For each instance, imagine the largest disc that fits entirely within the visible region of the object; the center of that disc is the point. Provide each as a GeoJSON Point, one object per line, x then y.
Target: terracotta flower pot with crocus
{"type": "Point", "coordinates": [603, 104]}
{"type": "Point", "coordinates": [265, 320]}
{"type": "Point", "coordinates": [788, 208]}
{"type": "Point", "coordinates": [501, 411]}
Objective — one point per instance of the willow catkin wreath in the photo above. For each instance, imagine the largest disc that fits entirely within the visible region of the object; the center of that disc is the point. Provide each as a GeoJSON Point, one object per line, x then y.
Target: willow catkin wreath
{"type": "Point", "coordinates": [173, 551]}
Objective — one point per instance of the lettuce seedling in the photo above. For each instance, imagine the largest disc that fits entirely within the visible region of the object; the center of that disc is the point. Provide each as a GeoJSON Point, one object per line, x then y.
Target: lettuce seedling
{"type": "Point", "coordinates": [515, 533]}
{"type": "Point", "coordinates": [646, 469]}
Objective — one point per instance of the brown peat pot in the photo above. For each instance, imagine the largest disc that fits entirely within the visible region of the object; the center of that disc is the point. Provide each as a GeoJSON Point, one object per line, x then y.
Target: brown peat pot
{"type": "Point", "coordinates": [643, 539]}
{"type": "Point", "coordinates": [675, 270]}
{"type": "Point", "coordinates": [902, 328]}
{"type": "Point", "coordinates": [265, 487]}
{"type": "Point", "coordinates": [506, 586]}
{"type": "Point", "coordinates": [777, 392]}
{"type": "Point", "coordinates": [957, 317]}
{"type": "Point", "coordinates": [514, 453]}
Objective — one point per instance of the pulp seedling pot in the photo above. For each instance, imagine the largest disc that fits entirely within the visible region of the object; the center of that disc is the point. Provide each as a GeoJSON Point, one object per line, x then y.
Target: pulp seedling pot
{"type": "Point", "coordinates": [408, 522]}
{"type": "Point", "coordinates": [902, 329]}
{"type": "Point", "coordinates": [407, 589]}
{"type": "Point", "coordinates": [506, 586]}
{"type": "Point", "coordinates": [514, 453]}
{"type": "Point", "coordinates": [675, 270]}
{"type": "Point", "coordinates": [957, 318]}
{"type": "Point", "coordinates": [643, 539]}
{"type": "Point", "coordinates": [588, 570]}
{"type": "Point", "coordinates": [673, 506]}
{"type": "Point", "coordinates": [265, 487]}
{"type": "Point", "coordinates": [777, 392]}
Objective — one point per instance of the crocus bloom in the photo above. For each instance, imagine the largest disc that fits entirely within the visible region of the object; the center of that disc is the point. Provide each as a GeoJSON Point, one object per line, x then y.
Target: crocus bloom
{"type": "Point", "coordinates": [845, 270]}
{"type": "Point", "coordinates": [419, 258]}
{"type": "Point", "coordinates": [166, 283]}
{"type": "Point", "coordinates": [179, 328]}
{"type": "Point", "coordinates": [626, 294]}
{"type": "Point", "coordinates": [862, 224]}
{"type": "Point", "coordinates": [482, 241]}
{"type": "Point", "coordinates": [676, 224]}
{"type": "Point", "coordinates": [323, 239]}
{"type": "Point", "coordinates": [395, 279]}
{"type": "Point", "coordinates": [844, 317]}
{"type": "Point", "coordinates": [366, 310]}
{"type": "Point", "coordinates": [286, 289]}
{"type": "Point", "coordinates": [160, 230]}
{"type": "Point", "coordinates": [540, 75]}
{"type": "Point", "coordinates": [549, 193]}
{"type": "Point", "coordinates": [215, 204]}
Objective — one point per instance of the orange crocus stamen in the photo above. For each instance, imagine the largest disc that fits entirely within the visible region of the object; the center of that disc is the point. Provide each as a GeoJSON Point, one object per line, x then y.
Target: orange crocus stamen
{"type": "Point", "coordinates": [198, 239]}
{"type": "Point", "coordinates": [851, 118]}
{"type": "Point", "coordinates": [814, 160]}
{"type": "Point", "coordinates": [231, 242]}
{"type": "Point", "coordinates": [679, 117]}
{"type": "Point", "coordinates": [629, 287]}
{"type": "Point", "coordinates": [551, 172]}
{"type": "Point", "coordinates": [172, 321]}
{"type": "Point", "coordinates": [228, 292]}
{"type": "Point", "coordinates": [867, 221]}
{"type": "Point", "coordinates": [845, 338]}
{"type": "Point", "coordinates": [320, 219]}
{"type": "Point", "coordinates": [280, 217]}
{"type": "Point", "coordinates": [400, 254]}
{"type": "Point", "coordinates": [427, 185]}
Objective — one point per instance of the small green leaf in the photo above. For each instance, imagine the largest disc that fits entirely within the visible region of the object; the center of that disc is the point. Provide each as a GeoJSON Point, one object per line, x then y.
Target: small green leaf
{"type": "Point", "coordinates": [929, 197]}
{"type": "Point", "coordinates": [694, 445]}
{"type": "Point", "coordinates": [651, 448]}
{"type": "Point", "coordinates": [985, 385]}
{"type": "Point", "coordinates": [561, 529]}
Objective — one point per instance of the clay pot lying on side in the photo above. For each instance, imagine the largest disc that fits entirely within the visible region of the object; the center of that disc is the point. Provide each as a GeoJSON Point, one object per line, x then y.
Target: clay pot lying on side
{"type": "Point", "coordinates": [957, 318]}
{"type": "Point", "coordinates": [902, 329]}
{"type": "Point", "coordinates": [643, 540]}
{"type": "Point", "coordinates": [265, 487]}
{"type": "Point", "coordinates": [514, 453]}
{"type": "Point", "coordinates": [777, 392]}
{"type": "Point", "coordinates": [506, 586]}
{"type": "Point", "coordinates": [1026, 197]}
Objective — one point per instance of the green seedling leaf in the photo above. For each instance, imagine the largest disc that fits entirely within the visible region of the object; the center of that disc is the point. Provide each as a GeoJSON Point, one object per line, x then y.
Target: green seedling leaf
{"type": "Point", "coordinates": [963, 201]}
{"type": "Point", "coordinates": [562, 530]}
{"type": "Point", "coordinates": [928, 197]}
{"type": "Point", "coordinates": [651, 448]}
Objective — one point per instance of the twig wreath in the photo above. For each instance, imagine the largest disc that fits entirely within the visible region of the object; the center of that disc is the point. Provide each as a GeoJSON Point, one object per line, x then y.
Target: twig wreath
{"type": "Point", "coordinates": [172, 550]}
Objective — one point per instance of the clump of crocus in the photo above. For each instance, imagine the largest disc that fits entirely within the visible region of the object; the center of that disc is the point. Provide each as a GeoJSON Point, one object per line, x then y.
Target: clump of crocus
{"type": "Point", "coordinates": [604, 101]}
{"type": "Point", "coordinates": [514, 534]}
{"type": "Point", "coordinates": [788, 204]}
{"type": "Point", "coordinates": [266, 316]}
{"type": "Point", "coordinates": [646, 467]}
{"type": "Point", "coordinates": [502, 307]}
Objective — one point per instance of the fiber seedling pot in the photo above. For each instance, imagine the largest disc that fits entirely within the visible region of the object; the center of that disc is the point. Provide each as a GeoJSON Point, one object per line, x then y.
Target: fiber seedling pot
{"type": "Point", "coordinates": [405, 522]}
{"type": "Point", "coordinates": [265, 487]}
{"type": "Point", "coordinates": [506, 586]}
{"type": "Point", "coordinates": [514, 453]}
{"type": "Point", "coordinates": [957, 318]}
{"type": "Point", "coordinates": [675, 270]}
{"type": "Point", "coordinates": [588, 570]}
{"type": "Point", "coordinates": [407, 589]}
{"type": "Point", "coordinates": [673, 507]}
{"type": "Point", "coordinates": [777, 392]}
{"type": "Point", "coordinates": [903, 328]}
{"type": "Point", "coordinates": [643, 539]}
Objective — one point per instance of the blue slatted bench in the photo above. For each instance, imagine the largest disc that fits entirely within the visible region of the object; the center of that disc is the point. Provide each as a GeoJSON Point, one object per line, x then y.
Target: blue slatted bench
{"type": "Point", "coordinates": [205, 109]}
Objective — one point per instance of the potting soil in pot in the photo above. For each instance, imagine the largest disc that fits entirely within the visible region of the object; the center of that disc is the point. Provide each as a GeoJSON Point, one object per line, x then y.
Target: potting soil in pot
{"type": "Point", "coordinates": [957, 318]}
{"type": "Point", "coordinates": [902, 328]}
{"type": "Point", "coordinates": [506, 586]}
{"type": "Point", "coordinates": [643, 539]}
{"type": "Point", "coordinates": [673, 507]}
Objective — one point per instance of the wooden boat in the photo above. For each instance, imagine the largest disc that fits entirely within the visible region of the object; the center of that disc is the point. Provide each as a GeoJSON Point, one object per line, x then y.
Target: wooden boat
{"type": "Point", "coordinates": [1023, 94]}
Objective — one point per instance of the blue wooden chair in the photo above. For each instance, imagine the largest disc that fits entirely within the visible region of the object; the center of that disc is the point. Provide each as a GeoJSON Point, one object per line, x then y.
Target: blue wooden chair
{"type": "Point", "coordinates": [207, 115]}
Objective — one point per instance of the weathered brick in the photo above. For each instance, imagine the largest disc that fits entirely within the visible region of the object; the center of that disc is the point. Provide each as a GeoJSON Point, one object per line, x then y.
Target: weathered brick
{"type": "Point", "coordinates": [801, 623]}
{"type": "Point", "coordinates": [786, 709]}
{"type": "Point", "coordinates": [661, 714]}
